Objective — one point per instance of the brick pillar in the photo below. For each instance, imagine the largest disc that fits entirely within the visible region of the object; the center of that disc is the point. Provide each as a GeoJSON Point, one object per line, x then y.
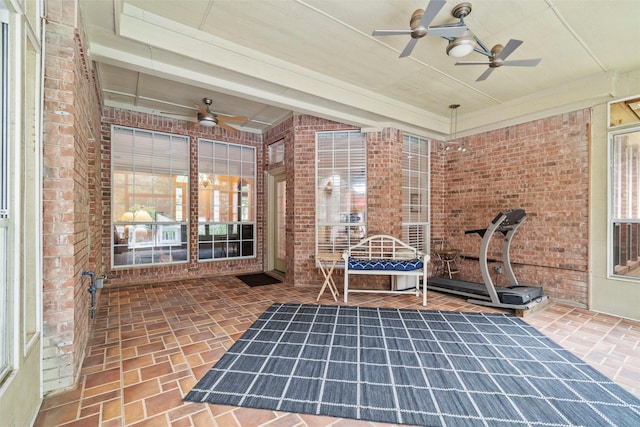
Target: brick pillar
{"type": "Point", "coordinates": [384, 183]}
{"type": "Point", "coordinates": [71, 190]}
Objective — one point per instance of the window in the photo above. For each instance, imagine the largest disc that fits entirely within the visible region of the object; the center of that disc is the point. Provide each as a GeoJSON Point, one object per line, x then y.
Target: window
{"type": "Point", "coordinates": [149, 201]}
{"type": "Point", "coordinates": [226, 200]}
{"type": "Point", "coordinates": [624, 139]}
{"type": "Point", "coordinates": [415, 192]}
{"type": "Point", "coordinates": [276, 152]}
{"type": "Point", "coordinates": [4, 205]}
{"type": "Point", "coordinates": [341, 190]}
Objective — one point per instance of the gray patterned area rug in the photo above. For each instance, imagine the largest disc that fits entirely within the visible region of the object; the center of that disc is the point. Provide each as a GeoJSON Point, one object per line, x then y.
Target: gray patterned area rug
{"type": "Point", "coordinates": [418, 367]}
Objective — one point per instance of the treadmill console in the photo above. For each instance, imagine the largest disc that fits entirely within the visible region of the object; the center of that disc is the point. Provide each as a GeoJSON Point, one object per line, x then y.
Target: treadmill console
{"type": "Point", "coordinates": [511, 218]}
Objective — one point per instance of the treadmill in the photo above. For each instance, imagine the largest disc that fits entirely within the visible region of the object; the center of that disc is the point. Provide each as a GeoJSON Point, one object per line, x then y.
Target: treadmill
{"type": "Point", "coordinates": [514, 296]}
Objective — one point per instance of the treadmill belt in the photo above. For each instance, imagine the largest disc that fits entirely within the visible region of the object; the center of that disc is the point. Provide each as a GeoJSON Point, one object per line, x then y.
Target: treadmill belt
{"type": "Point", "coordinates": [458, 285]}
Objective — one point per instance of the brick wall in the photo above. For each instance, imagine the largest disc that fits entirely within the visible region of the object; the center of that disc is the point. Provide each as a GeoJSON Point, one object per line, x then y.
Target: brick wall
{"type": "Point", "coordinates": [384, 182]}
{"type": "Point", "coordinates": [192, 269]}
{"type": "Point", "coordinates": [70, 191]}
{"type": "Point", "coordinates": [540, 166]}
{"type": "Point", "coordinates": [384, 215]}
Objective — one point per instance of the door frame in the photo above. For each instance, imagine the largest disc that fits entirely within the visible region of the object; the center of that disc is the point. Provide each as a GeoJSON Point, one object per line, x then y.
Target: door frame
{"type": "Point", "coordinates": [274, 176]}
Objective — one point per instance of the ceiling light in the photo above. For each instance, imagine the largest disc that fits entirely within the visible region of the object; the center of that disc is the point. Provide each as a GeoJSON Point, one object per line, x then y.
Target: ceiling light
{"type": "Point", "coordinates": [453, 123]}
{"type": "Point", "coordinates": [461, 46]}
{"type": "Point", "coordinates": [207, 121]}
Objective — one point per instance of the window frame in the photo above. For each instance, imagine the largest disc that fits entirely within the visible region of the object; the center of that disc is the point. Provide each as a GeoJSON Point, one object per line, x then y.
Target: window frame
{"type": "Point", "coordinates": [335, 235]}
{"type": "Point", "coordinates": [6, 326]}
{"type": "Point", "coordinates": [616, 223]}
{"type": "Point", "coordinates": [231, 234]}
{"type": "Point", "coordinates": [416, 193]}
{"type": "Point", "coordinates": [150, 248]}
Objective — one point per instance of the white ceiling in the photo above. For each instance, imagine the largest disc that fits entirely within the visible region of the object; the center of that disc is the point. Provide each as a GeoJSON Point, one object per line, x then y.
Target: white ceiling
{"type": "Point", "coordinates": [267, 59]}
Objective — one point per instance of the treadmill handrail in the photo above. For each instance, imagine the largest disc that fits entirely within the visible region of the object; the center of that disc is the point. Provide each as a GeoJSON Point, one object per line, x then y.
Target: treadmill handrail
{"type": "Point", "coordinates": [517, 215]}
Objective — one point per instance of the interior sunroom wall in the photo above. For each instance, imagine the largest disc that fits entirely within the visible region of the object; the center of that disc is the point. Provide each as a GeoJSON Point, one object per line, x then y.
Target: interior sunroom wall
{"type": "Point", "coordinates": [384, 207]}
{"type": "Point", "coordinates": [71, 189]}
{"type": "Point", "coordinates": [540, 166]}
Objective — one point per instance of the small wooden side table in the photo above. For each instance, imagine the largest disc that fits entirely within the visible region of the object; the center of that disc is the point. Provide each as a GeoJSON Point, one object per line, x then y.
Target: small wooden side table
{"type": "Point", "coordinates": [327, 262]}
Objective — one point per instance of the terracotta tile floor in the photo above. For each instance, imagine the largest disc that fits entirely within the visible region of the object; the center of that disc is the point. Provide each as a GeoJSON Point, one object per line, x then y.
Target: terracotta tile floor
{"type": "Point", "coordinates": [150, 344]}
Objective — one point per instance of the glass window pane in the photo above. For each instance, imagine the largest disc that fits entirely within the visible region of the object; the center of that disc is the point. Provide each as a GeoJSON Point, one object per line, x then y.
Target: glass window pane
{"type": "Point", "coordinates": [149, 207]}
{"type": "Point", "coordinates": [226, 208]}
{"type": "Point", "coordinates": [625, 202]}
{"type": "Point", "coordinates": [340, 190]}
{"type": "Point", "coordinates": [415, 192]}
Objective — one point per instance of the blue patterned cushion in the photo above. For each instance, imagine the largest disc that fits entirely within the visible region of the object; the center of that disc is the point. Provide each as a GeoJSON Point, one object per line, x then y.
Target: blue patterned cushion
{"type": "Point", "coordinates": [384, 264]}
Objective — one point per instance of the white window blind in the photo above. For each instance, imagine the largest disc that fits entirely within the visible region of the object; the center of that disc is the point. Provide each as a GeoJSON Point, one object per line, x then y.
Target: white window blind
{"type": "Point", "coordinates": [415, 191]}
{"type": "Point", "coordinates": [341, 190]}
{"type": "Point", "coordinates": [149, 197]}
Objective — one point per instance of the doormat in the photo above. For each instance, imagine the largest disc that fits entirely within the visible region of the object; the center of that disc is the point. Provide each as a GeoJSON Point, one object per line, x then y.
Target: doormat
{"type": "Point", "coordinates": [258, 279]}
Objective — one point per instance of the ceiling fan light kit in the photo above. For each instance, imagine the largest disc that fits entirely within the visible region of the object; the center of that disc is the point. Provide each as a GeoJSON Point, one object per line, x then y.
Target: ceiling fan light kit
{"type": "Point", "coordinates": [461, 46]}
{"type": "Point", "coordinates": [206, 121]}
{"type": "Point", "coordinates": [465, 44]}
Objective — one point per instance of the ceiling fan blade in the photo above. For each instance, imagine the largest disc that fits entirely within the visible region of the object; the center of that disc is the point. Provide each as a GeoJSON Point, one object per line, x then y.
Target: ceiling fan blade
{"type": "Point", "coordinates": [484, 75]}
{"type": "Point", "coordinates": [227, 127]}
{"type": "Point", "coordinates": [391, 32]}
{"type": "Point", "coordinates": [447, 31]}
{"type": "Point", "coordinates": [232, 118]}
{"type": "Point", "coordinates": [522, 62]}
{"type": "Point", "coordinates": [202, 110]}
{"type": "Point", "coordinates": [431, 11]}
{"type": "Point", "coordinates": [172, 113]}
{"type": "Point", "coordinates": [509, 48]}
{"type": "Point", "coordinates": [407, 50]}
{"type": "Point", "coordinates": [472, 63]}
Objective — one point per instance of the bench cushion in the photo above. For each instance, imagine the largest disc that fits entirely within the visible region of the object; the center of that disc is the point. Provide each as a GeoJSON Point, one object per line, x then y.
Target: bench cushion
{"type": "Point", "coordinates": [385, 264]}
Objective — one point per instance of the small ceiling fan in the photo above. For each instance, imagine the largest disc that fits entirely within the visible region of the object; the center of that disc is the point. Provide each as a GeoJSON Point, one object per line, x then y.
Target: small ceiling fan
{"type": "Point", "coordinates": [419, 27]}
{"type": "Point", "coordinates": [497, 58]}
{"type": "Point", "coordinates": [209, 119]}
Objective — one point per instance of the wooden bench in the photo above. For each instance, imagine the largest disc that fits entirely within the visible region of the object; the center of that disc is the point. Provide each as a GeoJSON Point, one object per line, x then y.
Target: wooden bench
{"type": "Point", "coordinates": [385, 255]}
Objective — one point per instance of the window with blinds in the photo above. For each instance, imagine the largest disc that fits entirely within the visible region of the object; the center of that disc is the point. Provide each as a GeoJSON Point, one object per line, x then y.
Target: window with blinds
{"type": "Point", "coordinates": [149, 197]}
{"type": "Point", "coordinates": [341, 190]}
{"type": "Point", "coordinates": [415, 192]}
{"type": "Point", "coordinates": [226, 200]}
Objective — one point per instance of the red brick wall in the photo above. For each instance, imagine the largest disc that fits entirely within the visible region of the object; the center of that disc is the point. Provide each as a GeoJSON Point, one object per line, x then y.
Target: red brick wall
{"type": "Point", "coordinates": [300, 159]}
{"type": "Point", "coordinates": [384, 182]}
{"type": "Point", "coordinates": [192, 269]}
{"type": "Point", "coordinates": [384, 160]}
{"type": "Point", "coordinates": [540, 166]}
{"type": "Point", "coordinates": [70, 191]}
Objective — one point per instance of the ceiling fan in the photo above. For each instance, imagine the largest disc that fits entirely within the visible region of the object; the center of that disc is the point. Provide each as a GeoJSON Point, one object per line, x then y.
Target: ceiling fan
{"type": "Point", "coordinates": [209, 119]}
{"type": "Point", "coordinates": [497, 58]}
{"type": "Point", "coordinates": [419, 27]}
